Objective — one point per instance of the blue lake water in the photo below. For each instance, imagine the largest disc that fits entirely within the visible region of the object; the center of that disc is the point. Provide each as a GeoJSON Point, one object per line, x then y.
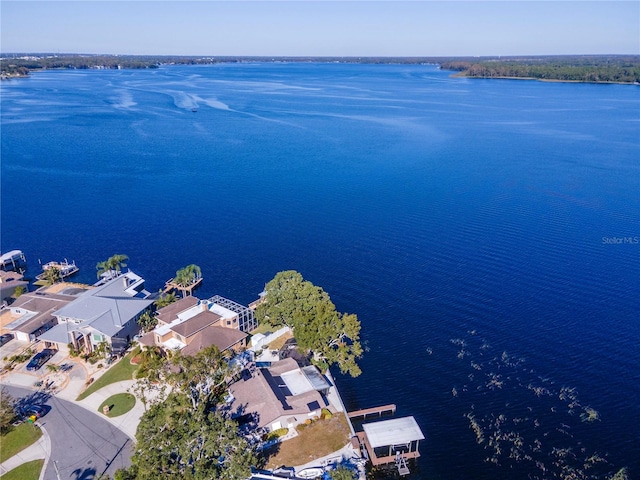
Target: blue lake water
{"type": "Point", "coordinates": [484, 231]}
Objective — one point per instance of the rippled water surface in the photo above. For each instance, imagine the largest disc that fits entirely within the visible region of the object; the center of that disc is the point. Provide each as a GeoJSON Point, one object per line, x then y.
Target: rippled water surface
{"type": "Point", "coordinates": [485, 232]}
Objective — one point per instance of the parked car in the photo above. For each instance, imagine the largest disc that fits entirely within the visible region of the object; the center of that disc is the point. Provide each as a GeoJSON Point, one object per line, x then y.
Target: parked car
{"type": "Point", "coordinates": [40, 359]}
{"type": "Point", "coordinates": [34, 410]}
{"type": "Point", "coordinates": [7, 337]}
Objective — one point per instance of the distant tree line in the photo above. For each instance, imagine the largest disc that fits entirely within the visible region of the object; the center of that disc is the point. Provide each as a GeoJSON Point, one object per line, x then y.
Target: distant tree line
{"type": "Point", "coordinates": [619, 69]}
{"type": "Point", "coordinates": [579, 68]}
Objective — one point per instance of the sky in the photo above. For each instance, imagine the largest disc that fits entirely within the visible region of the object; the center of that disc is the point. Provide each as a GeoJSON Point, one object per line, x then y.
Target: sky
{"type": "Point", "coordinates": [321, 28]}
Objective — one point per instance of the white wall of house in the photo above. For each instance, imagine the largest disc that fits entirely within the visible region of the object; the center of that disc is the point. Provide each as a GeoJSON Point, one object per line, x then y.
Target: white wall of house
{"type": "Point", "coordinates": [267, 339]}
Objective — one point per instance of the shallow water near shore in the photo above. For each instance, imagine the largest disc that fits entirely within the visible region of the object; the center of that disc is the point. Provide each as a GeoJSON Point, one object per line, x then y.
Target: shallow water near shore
{"type": "Point", "coordinates": [484, 231]}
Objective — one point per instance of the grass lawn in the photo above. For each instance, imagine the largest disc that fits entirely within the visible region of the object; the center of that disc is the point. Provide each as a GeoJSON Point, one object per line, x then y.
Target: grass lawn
{"type": "Point", "coordinates": [27, 471]}
{"type": "Point", "coordinates": [264, 328]}
{"type": "Point", "coordinates": [123, 370]}
{"type": "Point", "coordinates": [18, 439]}
{"type": "Point", "coordinates": [279, 342]}
{"type": "Point", "coordinates": [320, 438]}
{"type": "Point", "coordinates": [119, 404]}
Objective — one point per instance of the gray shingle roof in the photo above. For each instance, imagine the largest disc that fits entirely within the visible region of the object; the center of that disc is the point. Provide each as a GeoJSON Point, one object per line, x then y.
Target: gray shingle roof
{"type": "Point", "coordinates": [105, 308]}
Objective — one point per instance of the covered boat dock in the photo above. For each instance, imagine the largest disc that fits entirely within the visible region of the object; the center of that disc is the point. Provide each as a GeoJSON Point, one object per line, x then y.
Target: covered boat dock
{"type": "Point", "coordinates": [392, 441]}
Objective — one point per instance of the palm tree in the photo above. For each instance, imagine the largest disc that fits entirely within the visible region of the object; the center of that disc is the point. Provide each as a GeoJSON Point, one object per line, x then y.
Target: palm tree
{"type": "Point", "coordinates": [51, 275]}
{"type": "Point", "coordinates": [112, 265]}
{"type": "Point", "coordinates": [165, 299]}
{"type": "Point", "coordinates": [187, 277]}
{"type": "Point", "coordinates": [116, 262]}
{"type": "Point", "coordinates": [102, 268]}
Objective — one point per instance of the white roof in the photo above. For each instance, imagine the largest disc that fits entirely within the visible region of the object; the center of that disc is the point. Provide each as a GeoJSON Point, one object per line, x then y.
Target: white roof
{"type": "Point", "coordinates": [392, 432]}
{"type": "Point", "coordinates": [10, 255]}
{"type": "Point", "coordinates": [296, 382]}
{"type": "Point", "coordinates": [222, 311]}
{"type": "Point", "coordinates": [174, 344]}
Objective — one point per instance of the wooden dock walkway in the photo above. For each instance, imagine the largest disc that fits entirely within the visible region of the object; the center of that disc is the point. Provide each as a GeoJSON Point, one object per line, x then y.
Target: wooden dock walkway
{"type": "Point", "coordinates": [185, 289]}
{"type": "Point", "coordinates": [368, 412]}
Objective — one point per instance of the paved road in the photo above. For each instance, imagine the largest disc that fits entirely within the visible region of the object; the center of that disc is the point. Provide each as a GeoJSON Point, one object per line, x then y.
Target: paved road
{"type": "Point", "coordinates": [83, 445]}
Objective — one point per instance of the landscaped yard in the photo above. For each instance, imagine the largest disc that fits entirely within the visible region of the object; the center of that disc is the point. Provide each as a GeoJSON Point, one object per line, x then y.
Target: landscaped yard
{"type": "Point", "coordinates": [279, 342]}
{"type": "Point", "coordinates": [119, 404]}
{"type": "Point", "coordinates": [320, 438]}
{"type": "Point", "coordinates": [264, 328]}
{"type": "Point", "coordinates": [18, 439]}
{"type": "Point", "coordinates": [27, 471]}
{"type": "Point", "coordinates": [123, 370]}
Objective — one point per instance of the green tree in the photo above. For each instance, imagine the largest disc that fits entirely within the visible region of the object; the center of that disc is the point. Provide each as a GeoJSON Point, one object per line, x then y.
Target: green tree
{"type": "Point", "coordinates": [7, 410]}
{"type": "Point", "coordinates": [152, 361]}
{"type": "Point", "coordinates": [332, 337]}
{"type": "Point", "coordinates": [201, 377]}
{"type": "Point", "coordinates": [102, 349]}
{"type": "Point", "coordinates": [175, 442]}
{"type": "Point", "coordinates": [102, 267]}
{"type": "Point", "coordinates": [165, 299]}
{"type": "Point", "coordinates": [19, 290]}
{"type": "Point", "coordinates": [187, 277]}
{"type": "Point", "coordinates": [113, 265]}
{"type": "Point", "coordinates": [343, 473]}
{"type": "Point", "coordinates": [116, 262]}
{"type": "Point", "coordinates": [51, 275]}
{"type": "Point", "coordinates": [147, 321]}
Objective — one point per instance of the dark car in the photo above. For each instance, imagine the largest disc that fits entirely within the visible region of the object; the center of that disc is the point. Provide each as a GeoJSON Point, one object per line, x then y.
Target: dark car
{"type": "Point", "coordinates": [7, 337]}
{"type": "Point", "coordinates": [40, 359]}
{"type": "Point", "coordinates": [34, 410]}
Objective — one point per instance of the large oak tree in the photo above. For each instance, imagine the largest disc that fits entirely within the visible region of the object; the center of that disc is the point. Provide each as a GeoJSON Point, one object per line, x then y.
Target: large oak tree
{"type": "Point", "coordinates": [333, 337]}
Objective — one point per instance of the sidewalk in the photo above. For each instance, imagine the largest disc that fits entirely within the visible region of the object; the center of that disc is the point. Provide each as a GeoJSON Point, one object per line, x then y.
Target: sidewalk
{"type": "Point", "coordinates": [67, 385]}
{"type": "Point", "coordinates": [40, 449]}
{"type": "Point", "coordinates": [127, 422]}
{"type": "Point", "coordinates": [346, 455]}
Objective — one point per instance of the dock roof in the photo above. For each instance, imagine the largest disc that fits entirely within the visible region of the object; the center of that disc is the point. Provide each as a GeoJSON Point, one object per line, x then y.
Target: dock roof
{"type": "Point", "coordinates": [396, 431]}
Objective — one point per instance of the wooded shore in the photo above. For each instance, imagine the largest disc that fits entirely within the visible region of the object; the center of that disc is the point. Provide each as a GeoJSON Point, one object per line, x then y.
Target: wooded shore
{"type": "Point", "coordinates": [568, 68]}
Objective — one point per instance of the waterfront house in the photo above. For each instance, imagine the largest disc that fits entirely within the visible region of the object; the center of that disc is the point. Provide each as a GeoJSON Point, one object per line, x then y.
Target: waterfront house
{"type": "Point", "coordinates": [33, 313]}
{"type": "Point", "coordinates": [283, 395]}
{"type": "Point", "coordinates": [9, 281]}
{"type": "Point", "coordinates": [106, 313]}
{"type": "Point", "coordinates": [191, 324]}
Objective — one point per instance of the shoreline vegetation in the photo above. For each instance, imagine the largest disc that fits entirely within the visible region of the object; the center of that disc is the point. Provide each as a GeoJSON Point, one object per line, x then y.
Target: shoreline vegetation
{"type": "Point", "coordinates": [622, 69]}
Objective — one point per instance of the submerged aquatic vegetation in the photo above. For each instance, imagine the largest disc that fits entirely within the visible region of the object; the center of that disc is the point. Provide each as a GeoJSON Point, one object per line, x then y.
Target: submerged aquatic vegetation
{"type": "Point", "coordinates": [540, 437]}
{"type": "Point", "coordinates": [589, 415]}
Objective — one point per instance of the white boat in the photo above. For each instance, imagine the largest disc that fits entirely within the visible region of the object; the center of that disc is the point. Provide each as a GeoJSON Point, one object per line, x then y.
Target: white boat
{"type": "Point", "coordinates": [311, 472]}
{"type": "Point", "coordinates": [65, 267]}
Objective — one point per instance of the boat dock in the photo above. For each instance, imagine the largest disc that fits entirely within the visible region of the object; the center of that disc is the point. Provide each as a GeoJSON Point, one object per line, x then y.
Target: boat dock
{"type": "Point", "coordinates": [186, 290]}
{"type": "Point", "coordinates": [391, 442]}
{"type": "Point", "coordinates": [387, 442]}
{"type": "Point", "coordinates": [375, 411]}
{"type": "Point", "coordinates": [65, 268]}
{"type": "Point", "coordinates": [13, 260]}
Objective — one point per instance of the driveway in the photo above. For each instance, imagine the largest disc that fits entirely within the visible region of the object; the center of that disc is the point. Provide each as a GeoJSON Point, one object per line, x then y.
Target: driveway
{"type": "Point", "coordinates": [83, 445]}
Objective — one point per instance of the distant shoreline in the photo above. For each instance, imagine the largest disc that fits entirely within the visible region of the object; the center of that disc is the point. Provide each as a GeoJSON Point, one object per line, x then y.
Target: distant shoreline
{"type": "Point", "coordinates": [597, 69]}
{"type": "Point", "coordinates": [548, 80]}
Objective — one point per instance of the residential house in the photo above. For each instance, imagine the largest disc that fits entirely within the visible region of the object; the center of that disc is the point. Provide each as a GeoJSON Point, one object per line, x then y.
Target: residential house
{"type": "Point", "coordinates": [33, 313]}
{"type": "Point", "coordinates": [283, 395]}
{"type": "Point", "coordinates": [9, 281]}
{"type": "Point", "coordinates": [191, 324]}
{"type": "Point", "coordinates": [106, 313]}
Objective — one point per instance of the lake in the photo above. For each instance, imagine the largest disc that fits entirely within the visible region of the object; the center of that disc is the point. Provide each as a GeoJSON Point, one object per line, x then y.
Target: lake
{"type": "Point", "coordinates": [485, 232]}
